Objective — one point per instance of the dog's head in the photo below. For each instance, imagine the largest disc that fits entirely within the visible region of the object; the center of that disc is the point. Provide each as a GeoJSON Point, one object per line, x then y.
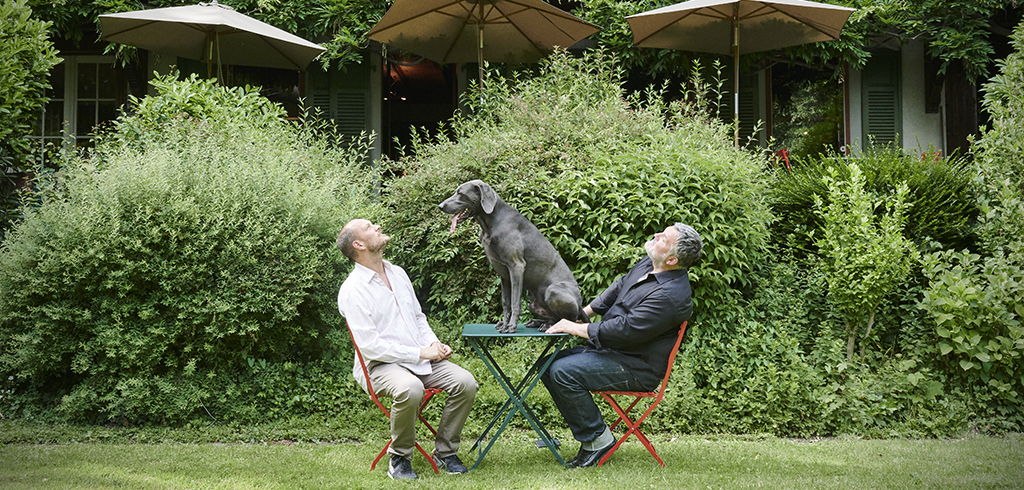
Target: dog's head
{"type": "Point", "coordinates": [470, 199]}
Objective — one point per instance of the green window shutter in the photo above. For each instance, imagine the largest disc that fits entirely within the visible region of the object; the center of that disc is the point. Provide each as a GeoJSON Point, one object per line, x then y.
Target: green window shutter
{"type": "Point", "coordinates": [351, 114]}
{"type": "Point", "coordinates": [343, 97]}
{"type": "Point", "coordinates": [881, 106]}
{"type": "Point", "coordinates": [748, 107]}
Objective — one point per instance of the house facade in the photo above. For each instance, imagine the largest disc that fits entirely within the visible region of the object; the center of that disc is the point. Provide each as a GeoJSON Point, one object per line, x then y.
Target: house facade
{"type": "Point", "coordinates": [897, 98]}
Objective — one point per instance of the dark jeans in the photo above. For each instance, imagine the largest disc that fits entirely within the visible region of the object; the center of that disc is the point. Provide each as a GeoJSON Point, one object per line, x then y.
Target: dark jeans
{"type": "Point", "coordinates": [570, 379]}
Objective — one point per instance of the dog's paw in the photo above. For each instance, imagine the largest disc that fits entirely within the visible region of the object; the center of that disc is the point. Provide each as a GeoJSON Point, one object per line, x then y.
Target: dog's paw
{"type": "Point", "coordinates": [505, 327]}
{"type": "Point", "coordinates": [537, 323]}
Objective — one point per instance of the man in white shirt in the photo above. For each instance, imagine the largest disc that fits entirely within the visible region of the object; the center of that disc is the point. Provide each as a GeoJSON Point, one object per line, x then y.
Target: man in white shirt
{"type": "Point", "coordinates": [404, 356]}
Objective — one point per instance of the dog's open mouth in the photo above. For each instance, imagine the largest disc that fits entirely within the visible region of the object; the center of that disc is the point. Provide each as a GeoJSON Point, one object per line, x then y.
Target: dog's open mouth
{"type": "Point", "coordinates": [458, 217]}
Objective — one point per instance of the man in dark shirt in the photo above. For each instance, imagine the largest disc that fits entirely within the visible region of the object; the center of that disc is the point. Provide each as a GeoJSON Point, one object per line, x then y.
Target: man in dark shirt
{"type": "Point", "coordinates": [628, 349]}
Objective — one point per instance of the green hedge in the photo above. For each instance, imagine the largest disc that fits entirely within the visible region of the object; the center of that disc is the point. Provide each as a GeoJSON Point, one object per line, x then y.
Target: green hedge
{"type": "Point", "coordinates": [186, 269]}
{"type": "Point", "coordinates": [597, 172]}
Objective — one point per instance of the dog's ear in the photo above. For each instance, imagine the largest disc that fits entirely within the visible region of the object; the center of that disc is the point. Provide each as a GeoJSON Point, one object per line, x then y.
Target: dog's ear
{"type": "Point", "coordinates": [488, 198]}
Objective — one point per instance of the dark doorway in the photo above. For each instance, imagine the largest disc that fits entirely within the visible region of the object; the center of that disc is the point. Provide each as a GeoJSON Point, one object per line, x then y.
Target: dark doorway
{"type": "Point", "coordinates": [417, 93]}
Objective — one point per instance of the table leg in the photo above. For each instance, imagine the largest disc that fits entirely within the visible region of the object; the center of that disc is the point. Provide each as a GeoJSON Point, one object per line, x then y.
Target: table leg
{"type": "Point", "coordinates": [484, 353]}
{"type": "Point", "coordinates": [517, 396]}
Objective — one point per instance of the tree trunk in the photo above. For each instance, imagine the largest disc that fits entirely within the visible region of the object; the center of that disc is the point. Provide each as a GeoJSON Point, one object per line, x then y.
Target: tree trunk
{"type": "Point", "coordinates": [851, 338]}
{"type": "Point", "coordinates": [864, 341]}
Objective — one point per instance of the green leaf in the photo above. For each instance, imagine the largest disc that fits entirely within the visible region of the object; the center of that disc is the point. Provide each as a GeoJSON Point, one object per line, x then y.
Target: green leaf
{"type": "Point", "coordinates": [933, 389]}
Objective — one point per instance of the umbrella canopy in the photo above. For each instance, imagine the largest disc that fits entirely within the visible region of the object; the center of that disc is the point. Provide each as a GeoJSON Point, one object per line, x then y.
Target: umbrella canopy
{"type": "Point", "coordinates": [208, 32]}
{"type": "Point", "coordinates": [737, 27]}
{"type": "Point", "coordinates": [453, 31]}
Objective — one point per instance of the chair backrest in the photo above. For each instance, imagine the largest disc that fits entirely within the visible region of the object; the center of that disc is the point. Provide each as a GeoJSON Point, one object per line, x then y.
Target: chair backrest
{"type": "Point", "coordinates": [672, 357]}
{"type": "Point", "coordinates": [366, 372]}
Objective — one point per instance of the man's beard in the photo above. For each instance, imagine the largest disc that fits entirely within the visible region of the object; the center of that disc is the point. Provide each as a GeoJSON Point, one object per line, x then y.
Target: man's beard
{"type": "Point", "coordinates": [658, 261]}
{"type": "Point", "coordinates": [378, 247]}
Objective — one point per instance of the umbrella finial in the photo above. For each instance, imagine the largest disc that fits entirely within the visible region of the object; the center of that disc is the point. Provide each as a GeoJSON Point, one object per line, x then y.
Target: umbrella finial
{"type": "Point", "coordinates": [215, 4]}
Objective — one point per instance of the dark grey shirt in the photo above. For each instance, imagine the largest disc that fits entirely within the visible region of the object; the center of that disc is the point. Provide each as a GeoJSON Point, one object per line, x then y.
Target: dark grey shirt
{"type": "Point", "coordinates": [640, 318]}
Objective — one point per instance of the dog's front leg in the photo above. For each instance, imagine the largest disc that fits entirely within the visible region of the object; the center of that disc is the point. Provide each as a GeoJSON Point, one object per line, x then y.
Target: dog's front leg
{"type": "Point", "coordinates": [515, 307]}
{"type": "Point", "coordinates": [504, 326]}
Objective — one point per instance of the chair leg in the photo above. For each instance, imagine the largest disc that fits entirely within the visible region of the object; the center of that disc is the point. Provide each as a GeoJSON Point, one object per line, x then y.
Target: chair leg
{"type": "Point", "coordinates": [631, 405]}
{"type": "Point", "coordinates": [384, 451]}
{"type": "Point", "coordinates": [430, 459]}
{"type": "Point", "coordinates": [381, 455]}
{"type": "Point", "coordinates": [428, 394]}
{"type": "Point", "coordinates": [634, 427]}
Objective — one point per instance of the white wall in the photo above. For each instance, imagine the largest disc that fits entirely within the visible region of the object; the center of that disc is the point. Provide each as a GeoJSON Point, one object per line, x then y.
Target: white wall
{"type": "Point", "coordinates": [919, 129]}
{"type": "Point", "coordinates": [854, 121]}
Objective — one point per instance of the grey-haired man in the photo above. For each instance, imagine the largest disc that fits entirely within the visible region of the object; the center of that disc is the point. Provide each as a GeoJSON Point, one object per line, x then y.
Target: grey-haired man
{"type": "Point", "coordinates": [628, 349]}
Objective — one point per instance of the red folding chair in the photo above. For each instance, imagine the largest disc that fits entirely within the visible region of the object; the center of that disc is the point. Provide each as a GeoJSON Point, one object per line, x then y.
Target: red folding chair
{"type": "Point", "coordinates": [428, 393]}
{"type": "Point", "coordinates": [634, 426]}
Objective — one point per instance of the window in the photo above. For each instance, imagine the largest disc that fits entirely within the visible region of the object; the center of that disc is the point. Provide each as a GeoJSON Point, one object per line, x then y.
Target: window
{"type": "Point", "coordinates": [84, 93]}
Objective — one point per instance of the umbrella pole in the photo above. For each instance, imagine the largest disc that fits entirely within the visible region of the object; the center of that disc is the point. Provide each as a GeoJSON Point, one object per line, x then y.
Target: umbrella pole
{"type": "Point", "coordinates": [209, 55]}
{"type": "Point", "coordinates": [220, 69]}
{"type": "Point", "coordinates": [736, 74]}
{"type": "Point", "coordinates": [480, 52]}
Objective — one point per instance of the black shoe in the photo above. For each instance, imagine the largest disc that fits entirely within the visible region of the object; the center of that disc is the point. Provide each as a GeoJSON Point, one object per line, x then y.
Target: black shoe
{"type": "Point", "coordinates": [400, 468]}
{"type": "Point", "coordinates": [586, 459]}
{"type": "Point", "coordinates": [452, 464]}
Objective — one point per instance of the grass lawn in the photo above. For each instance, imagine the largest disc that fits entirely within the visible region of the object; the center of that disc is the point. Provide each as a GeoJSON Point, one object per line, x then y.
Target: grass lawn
{"type": "Point", "coordinates": [692, 462]}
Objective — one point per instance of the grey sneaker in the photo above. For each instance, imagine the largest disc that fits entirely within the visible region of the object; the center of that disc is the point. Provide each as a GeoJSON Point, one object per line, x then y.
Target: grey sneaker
{"type": "Point", "coordinates": [452, 464]}
{"type": "Point", "coordinates": [400, 468]}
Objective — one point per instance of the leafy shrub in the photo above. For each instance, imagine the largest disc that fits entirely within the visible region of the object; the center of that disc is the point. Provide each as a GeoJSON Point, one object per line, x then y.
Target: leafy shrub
{"type": "Point", "coordinates": [597, 173]}
{"type": "Point", "coordinates": [863, 259]}
{"type": "Point", "coordinates": [897, 396]}
{"type": "Point", "coordinates": [225, 112]}
{"type": "Point", "coordinates": [976, 300]}
{"type": "Point", "coordinates": [1002, 145]}
{"type": "Point", "coordinates": [26, 57]}
{"type": "Point", "coordinates": [754, 382]}
{"type": "Point", "coordinates": [977, 306]}
{"type": "Point", "coordinates": [154, 275]}
{"type": "Point", "coordinates": [792, 295]}
{"type": "Point", "coordinates": [941, 206]}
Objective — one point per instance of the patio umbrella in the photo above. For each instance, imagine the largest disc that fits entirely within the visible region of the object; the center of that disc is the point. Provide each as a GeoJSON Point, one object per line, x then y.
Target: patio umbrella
{"type": "Point", "coordinates": [208, 32]}
{"type": "Point", "coordinates": [452, 31]}
{"type": "Point", "coordinates": [737, 27]}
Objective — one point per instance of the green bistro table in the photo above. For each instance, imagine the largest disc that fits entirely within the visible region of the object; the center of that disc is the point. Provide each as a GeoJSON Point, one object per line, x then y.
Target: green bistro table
{"type": "Point", "coordinates": [478, 334]}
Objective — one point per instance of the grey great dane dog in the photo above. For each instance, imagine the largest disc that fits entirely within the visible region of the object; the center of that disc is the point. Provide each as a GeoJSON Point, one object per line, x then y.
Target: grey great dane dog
{"type": "Point", "coordinates": [522, 257]}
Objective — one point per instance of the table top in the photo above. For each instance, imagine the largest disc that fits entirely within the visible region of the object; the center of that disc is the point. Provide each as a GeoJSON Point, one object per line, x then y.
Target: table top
{"type": "Point", "coordinates": [488, 330]}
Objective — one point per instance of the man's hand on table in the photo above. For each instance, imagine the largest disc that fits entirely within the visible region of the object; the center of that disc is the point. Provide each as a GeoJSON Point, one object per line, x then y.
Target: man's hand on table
{"type": "Point", "coordinates": [570, 327]}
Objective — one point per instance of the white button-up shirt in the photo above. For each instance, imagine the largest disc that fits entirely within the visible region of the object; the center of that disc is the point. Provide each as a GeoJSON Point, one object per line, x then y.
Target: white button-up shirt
{"type": "Point", "coordinates": [388, 324]}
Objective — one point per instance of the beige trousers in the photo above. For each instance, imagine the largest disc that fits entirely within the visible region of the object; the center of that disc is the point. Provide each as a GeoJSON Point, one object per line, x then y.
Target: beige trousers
{"type": "Point", "coordinates": [406, 388]}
